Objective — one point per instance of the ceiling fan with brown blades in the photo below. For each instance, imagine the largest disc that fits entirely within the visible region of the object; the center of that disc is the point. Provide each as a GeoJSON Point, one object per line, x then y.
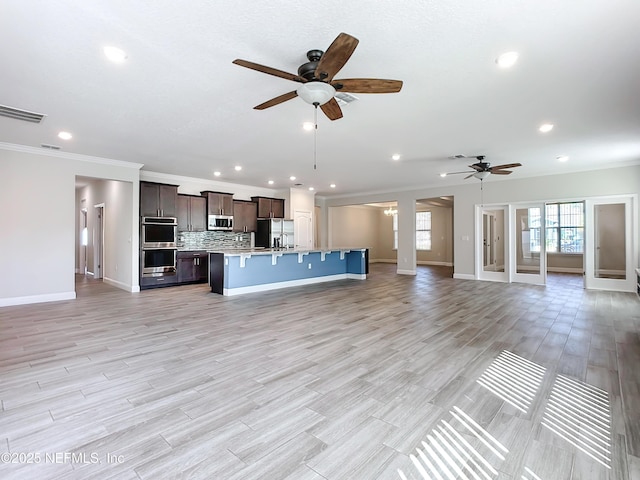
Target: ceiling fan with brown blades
{"type": "Point", "coordinates": [482, 169]}
{"type": "Point", "coordinates": [317, 78]}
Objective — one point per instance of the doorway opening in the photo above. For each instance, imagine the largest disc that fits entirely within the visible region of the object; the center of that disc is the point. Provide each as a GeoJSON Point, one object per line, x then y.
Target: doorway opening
{"type": "Point", "coordinates": [98, 242]}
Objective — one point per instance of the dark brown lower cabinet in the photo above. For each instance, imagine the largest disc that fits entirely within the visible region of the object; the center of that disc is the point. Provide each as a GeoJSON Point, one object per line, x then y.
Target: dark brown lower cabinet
{"type": "Point", "coordinates": [192, 266]}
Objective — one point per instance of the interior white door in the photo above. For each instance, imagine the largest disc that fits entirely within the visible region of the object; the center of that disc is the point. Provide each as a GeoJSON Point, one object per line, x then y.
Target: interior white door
{"type": "Point", "coordinates": [303, 229]}
{"type": "Point", "coordinates": [492, 260]}
{"type": "Point", "coordinates": [610, 244]}
{"type": "Point", "coordinates": [527, 244]}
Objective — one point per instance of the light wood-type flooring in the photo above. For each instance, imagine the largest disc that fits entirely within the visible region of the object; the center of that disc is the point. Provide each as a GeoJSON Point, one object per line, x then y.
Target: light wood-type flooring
{"type": "Point", "coordinates": [393, 377]}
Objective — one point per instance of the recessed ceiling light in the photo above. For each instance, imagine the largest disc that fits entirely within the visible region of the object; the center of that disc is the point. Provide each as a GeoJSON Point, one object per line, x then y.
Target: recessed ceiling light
{"type": "Point", "coordinates": [65, 136]}
{"type": "Point", "coordinates": [507, 60]}
{"type": "Point", "coordinates": [237, 168]}
{"type": "Point", "coordinates": [115, 54]}
{"type": "Point", "coordinates": [270, 182]}
{"type": "Point", "coordinates": [217, 174]}
{"type": "Point", "coordinates": [311, 189]}
{"type": "Point", "coordinates": [562, 158]}
{"type": "Point", "coordinates": [292, 178]}
{"type": "Point", "coordinates": [546, 127]}
{"type": "Point", "coordinates": [395, 156]}
{"type": "Point", "coordinates": [333, 185]}
{"type": "Point", "coordinates": [443, 175]}
{"type": "Point", "coordinates": [308, 126]}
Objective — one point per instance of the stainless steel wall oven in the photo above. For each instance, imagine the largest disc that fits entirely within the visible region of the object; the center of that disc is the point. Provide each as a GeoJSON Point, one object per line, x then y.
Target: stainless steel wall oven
{"type": "Point", "coordinates": [159, 246]}
{"type": "Point", "coordinates": [157, 262]}
{"type": "Point", "coordinates": [159, 232]}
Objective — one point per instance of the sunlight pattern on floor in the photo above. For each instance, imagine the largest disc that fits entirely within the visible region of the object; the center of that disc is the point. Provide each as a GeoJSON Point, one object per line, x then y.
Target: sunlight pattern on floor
{"type": "Point", "coordinates": [529, 475]}
{"type": "Point", "coordinates": [514, 379]}
{"type": "Point", "coordinates": [447, 454]}
{"type": "Point", "coordinates": [580, 414]}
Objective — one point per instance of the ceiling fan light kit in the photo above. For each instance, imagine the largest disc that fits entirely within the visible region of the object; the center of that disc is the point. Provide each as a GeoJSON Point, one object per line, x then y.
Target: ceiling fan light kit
{"type": "Point", "coordinates": [316, 93]}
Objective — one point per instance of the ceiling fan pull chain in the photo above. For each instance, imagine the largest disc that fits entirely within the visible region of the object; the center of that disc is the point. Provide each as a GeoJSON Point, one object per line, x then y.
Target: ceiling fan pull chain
{"type": "Point", "coordinates": [315, 135]}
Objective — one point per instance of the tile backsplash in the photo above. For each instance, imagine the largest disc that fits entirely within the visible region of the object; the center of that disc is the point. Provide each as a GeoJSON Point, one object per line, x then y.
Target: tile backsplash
{"type": "Point", "coordinates": [211, 240]}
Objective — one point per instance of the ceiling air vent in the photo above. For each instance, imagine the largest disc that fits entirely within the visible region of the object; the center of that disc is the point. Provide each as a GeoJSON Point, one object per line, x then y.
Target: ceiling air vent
{"type": "Point", "coordinates": [21, 114]}
{"type": "Point", "coordinates": [345, 98]}
{"type": "Point", "coordinates": [49, 146]}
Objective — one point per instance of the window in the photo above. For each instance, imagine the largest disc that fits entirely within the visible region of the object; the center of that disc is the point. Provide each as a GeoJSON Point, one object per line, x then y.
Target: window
{"type": "Point", "coordinates": [565, 227]}
{"type": "Point", "coordinates": [423, 230]}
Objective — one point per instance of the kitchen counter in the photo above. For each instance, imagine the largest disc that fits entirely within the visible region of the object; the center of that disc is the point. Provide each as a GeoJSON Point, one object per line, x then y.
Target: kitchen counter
{"type": "Point", "coordinates": [238, 271]}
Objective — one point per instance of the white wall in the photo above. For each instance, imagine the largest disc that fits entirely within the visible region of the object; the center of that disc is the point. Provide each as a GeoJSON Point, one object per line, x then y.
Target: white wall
{"type": "Point", "coordinates": [355, 226]}
{"type": "Point", "coordinates": [38, 214]}
{"type": "Point", "coordinates": [299, 199]}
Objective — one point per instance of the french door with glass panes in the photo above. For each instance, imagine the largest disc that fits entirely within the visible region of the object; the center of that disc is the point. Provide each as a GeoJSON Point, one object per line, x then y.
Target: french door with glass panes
{"type": "Point", "coordinates": [611, 244]}
{"type": "Point", "coordinates": [527, 244]}
{"type": "Point", "coordinates": [492, 259]}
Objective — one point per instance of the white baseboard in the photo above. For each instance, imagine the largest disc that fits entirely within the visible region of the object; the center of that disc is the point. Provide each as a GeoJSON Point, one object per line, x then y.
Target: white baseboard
{"type": "Point", "coordinates": [121, 285]}
{"type": "Point", "coordinates": [605, 271]}
{"type": "Point", "coordinates": [357, 276]}
{"type": "Point", "coordinates": [50, 297]}
{"type": "Point", "coordinates": [290, 283]}
{"type": "Point", "coordinates": [564, 270]}
{"type": "Point", "coordinates": [464, 276]}
{"type": "Point", "coordinates": [384, 260]}
{"type": "Point", "coordinates": [406, 272]}
{"type": "Point", "coordinates": [438, 264]}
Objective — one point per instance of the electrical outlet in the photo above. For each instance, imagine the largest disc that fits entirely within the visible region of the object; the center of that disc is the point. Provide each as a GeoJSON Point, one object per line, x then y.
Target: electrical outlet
{"type": "Point", "coordinates": [309, 266]}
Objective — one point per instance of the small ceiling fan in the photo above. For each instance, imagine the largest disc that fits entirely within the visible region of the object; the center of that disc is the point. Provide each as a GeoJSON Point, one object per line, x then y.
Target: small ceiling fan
{"type": "Point", "coordinates": [316, 76]}
{"type": "Point", "coordinates": [482, 169]}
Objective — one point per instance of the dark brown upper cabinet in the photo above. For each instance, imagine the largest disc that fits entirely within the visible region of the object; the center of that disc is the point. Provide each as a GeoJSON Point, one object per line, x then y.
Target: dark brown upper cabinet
{"type": "Point", "coordinates": [245, 216]}
{"type": "Point", "coordinates": [158, 199]}
{"type": "Point", "coordinates": [192, 213]}
{"type": "Point", "coordinates": [269, 207]}
{"type": "Point", "coordinates": [218, 203]}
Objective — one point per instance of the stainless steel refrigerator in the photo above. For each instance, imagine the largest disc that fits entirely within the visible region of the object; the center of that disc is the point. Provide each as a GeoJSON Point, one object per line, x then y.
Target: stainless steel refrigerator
{"type": "Point", "coordinates": [275, 233]}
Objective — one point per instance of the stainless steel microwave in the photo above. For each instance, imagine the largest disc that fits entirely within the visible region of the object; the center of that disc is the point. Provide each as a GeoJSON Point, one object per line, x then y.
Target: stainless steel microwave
{"type": "Point", "coordinates": [220, 222]}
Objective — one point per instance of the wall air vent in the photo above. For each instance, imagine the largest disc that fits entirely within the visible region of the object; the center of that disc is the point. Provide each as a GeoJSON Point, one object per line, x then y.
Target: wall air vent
{"type": "Point", "coordinates": [49, 146]}
{"type": "Point", "coordinates": [345, 98]}
{"type": "Point", "coordinates": [18, 114]}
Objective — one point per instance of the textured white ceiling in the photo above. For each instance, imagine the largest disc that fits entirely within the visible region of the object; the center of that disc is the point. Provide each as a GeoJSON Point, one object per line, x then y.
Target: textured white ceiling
{"type": "Point", "coordinates": [180, 106]}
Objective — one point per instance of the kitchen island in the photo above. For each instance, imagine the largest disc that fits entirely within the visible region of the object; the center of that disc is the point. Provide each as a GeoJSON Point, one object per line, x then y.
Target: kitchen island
{"type": "Point", "coordinates": [234, 272]}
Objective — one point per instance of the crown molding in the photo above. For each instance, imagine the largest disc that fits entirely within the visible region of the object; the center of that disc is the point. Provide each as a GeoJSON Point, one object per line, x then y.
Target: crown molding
{"type": "Point", "coordinates": [69, 156]}
{"type": "Point", "coordinates": [147, 175]}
